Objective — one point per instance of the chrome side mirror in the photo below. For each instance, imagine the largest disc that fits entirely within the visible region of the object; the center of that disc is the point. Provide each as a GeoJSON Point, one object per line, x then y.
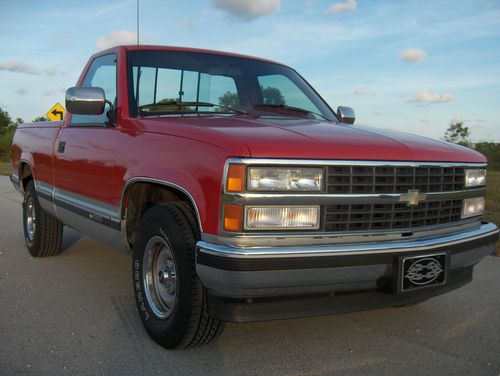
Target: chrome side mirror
{"type": "Point", "coordinates": [346, 114]}
{"type": "Point", "coordinates": [85, 100]}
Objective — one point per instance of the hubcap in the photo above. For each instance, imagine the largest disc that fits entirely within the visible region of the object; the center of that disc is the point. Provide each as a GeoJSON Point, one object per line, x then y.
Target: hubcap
{"type": "Point", "coordinates": [30, 221]}
{"type": "Point", "coordinates": [160, 277]}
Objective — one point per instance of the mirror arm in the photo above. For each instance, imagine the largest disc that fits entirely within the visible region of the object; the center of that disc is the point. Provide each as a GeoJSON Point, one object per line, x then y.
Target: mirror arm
{"type": "Point", "coordinates": [111, 114]}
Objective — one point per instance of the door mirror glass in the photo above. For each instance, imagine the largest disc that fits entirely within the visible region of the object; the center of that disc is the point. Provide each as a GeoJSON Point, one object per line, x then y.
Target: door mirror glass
{"type": "Point", "coordinates": [346, 114]}
{"type": "Point", "coordinates": [85, 100]}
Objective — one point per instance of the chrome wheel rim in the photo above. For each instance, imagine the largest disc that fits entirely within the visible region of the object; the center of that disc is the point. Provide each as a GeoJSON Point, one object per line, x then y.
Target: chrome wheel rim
{"type": "Point", "coordinates": [30, 219]}
{"type": "Point", "coordinates": [160, 277]}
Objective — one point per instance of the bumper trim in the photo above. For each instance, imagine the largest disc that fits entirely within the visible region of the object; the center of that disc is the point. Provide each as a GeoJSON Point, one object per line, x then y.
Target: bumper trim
{"type": "Point", "coordinates": [484, 230]}
{"type": "Point", "coordinates": [334, 260]}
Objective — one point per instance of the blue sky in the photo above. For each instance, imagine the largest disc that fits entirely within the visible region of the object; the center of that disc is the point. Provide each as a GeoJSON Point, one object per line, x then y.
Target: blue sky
{"type": "Point", "coordinates": [407, 65]}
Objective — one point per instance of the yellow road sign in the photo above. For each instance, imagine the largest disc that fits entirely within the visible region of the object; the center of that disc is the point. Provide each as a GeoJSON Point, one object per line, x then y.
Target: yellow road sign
{"type": "Point", "coordinates": [56, 112]}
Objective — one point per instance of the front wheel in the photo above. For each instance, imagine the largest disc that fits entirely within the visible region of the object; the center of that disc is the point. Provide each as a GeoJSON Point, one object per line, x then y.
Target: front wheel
{"type": "Point", "coordinates": [171, 301]}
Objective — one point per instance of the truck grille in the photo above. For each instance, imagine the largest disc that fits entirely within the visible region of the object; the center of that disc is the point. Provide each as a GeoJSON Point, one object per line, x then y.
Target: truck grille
{"type": "Point", "coordinates": [359, 217]}
{"type": "Point", "coordinates": [393, 179]}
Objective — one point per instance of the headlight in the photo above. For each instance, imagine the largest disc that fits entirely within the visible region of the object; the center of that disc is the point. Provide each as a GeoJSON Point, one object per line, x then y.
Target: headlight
{"type": "Point", "coordinates": [285, 179]}
{"type": "Point", "coordinates": [473, 207]}
{"type": "Point", "coordinates": [282, 218]}
{"type": "Point", "coordinates": [475, 177]}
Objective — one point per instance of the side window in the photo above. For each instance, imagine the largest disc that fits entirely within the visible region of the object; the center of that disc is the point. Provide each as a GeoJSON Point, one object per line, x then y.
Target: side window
{"type": "Point", "coordinates": [278, 89]}
{"type": "Point", "coordinates": [102, 73]}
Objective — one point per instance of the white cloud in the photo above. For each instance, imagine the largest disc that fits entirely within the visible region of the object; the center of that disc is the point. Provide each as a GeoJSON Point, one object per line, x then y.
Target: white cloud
{"type": "Point", "coordinates": [349, 5]}
{"type": "Point", "coordinates": [187, 24]}
{"type": "Point", "coordinates": [21, 92]}
{"type": "Point", "coordinates": [413, 55]}
{"type": "Point", "coordinates": [248, 10]}
{"type": "Point", "coordinates": [362, 90]}
{"type": "Point", "coordinates": [54, 91]}
{"type": "Point", "coordinates": [427, 96]}
{"type": "Point", "coordinates": [17, 66]}
{"type": "Point", "coordinates": [116, 38]}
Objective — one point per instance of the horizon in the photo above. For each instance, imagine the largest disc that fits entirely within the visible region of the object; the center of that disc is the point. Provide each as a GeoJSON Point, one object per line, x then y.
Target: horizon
{"type": "Point", "coordinates": [405, 66]}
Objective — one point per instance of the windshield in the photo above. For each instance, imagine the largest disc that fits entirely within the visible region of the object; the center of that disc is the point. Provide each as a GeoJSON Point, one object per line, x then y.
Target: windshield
{"type": "Point", "coordinates": [175, 82]}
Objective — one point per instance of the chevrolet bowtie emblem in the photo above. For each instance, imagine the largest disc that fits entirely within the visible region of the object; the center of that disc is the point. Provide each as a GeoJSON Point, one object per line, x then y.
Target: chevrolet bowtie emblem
{"type": "Point", "coordinates": [413, 197]}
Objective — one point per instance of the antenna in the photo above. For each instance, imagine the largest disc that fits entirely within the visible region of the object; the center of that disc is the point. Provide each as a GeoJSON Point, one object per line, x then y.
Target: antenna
{"type": "Point", "coordinates": [138, 62]}
{"type": "Point", "coordinates": [137, 24]}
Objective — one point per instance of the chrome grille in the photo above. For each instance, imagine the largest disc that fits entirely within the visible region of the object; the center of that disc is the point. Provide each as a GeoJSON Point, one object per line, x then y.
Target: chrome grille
{"type": "Point", "coordinates": [360, 217]}
{"type": "Point", "coordinates": [393, 179]}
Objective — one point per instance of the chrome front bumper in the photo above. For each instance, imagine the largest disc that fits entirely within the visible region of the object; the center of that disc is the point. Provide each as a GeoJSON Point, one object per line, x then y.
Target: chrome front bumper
{"type": "Point", "coordinates": [228, 271]}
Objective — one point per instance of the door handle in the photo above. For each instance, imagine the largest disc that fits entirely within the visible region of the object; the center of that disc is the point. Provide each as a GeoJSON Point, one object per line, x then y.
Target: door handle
{"type": "Point", "coordinates": [61, 147]}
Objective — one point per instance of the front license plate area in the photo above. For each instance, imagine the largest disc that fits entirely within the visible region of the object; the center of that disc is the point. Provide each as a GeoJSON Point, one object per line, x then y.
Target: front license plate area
{"type": "Point", "coordinates": [422, 271]}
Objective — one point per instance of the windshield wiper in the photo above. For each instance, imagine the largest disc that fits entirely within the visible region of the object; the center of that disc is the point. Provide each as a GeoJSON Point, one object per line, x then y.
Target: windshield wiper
{"type": "Point", "coordinates": [291, 108]}
{"type": "Point", "coordinates": [156, 107]}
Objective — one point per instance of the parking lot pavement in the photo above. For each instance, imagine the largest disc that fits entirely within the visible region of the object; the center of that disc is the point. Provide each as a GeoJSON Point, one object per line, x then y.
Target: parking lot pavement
{"type": "Point", "coordinates": [75, 314]}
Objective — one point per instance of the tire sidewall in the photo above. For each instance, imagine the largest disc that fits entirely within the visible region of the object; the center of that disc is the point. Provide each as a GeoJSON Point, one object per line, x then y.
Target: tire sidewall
{"type": "Point", "coordinates": [168, 331]}
{"type": "Point", "coordinates": [32, 245]}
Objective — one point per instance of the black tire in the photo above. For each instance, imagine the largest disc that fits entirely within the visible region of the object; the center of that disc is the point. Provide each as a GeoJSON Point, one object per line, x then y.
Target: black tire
{"type": "Point", "coordinates": [44, 238]}
{"type": "Point", "coordinates": [187, 323]}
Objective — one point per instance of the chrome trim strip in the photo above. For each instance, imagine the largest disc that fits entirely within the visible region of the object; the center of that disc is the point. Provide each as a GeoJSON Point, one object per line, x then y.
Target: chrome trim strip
{"type": "Point", "coordinates": [387, 198]}
{"type": "Point", "coordinates": [139, 179]}
{"type": "Point", "coordinates": [426, 244]}
{"type": "Point", "coordinates": [292, 239]}
{"type": "Point", "coordinates": [339, 162]}
{"type": "Point", "coordinates": [93, 206]}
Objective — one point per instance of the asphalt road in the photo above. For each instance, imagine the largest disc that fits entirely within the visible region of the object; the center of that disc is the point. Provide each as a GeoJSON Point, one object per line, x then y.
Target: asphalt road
{"type": "Point", "coordinates": [75, 314]}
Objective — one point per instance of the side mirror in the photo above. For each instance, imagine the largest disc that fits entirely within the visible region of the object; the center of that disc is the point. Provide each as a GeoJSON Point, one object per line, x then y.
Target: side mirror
{"type": "Point", "coordinates": [85, 100]}
{"type": "Point", "coordinates": [346, 114]}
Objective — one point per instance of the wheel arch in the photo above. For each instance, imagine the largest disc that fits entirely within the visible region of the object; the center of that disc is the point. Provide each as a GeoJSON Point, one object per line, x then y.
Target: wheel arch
{"type": "Point", "coordinates": [140, 193]}
{"type": "Point", "coordinates": [25, 174]}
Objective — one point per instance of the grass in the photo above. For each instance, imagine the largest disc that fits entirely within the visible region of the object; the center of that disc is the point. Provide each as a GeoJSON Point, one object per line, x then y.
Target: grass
{"type": "Point", "coordinates": [5, 168]}
{"type": "Point", "coordinates": [493, 201]}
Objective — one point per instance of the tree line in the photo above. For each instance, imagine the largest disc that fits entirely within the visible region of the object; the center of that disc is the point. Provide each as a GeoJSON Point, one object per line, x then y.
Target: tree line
{"type": "Point", "coordinates": [456, 133]}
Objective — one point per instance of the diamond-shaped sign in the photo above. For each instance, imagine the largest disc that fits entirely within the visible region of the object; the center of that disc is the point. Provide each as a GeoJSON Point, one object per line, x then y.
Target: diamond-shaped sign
{"type": "Point", "coordinates": [56, 112]}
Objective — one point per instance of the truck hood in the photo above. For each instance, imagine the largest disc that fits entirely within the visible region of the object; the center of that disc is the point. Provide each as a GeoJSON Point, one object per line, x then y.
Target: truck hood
{"type": "Point", "coordinates": [278, 137]}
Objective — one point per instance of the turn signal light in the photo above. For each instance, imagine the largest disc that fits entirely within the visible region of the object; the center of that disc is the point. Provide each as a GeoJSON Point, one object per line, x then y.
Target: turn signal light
{"type": "Point", "coordinates": [233, 217]}
{"type": "Point", "coordinates": [235, 181]}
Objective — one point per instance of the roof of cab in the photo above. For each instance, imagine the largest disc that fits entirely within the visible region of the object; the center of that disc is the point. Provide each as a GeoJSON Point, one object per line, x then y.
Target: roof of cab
{"type": "Point", "coordinates": [184, 49]}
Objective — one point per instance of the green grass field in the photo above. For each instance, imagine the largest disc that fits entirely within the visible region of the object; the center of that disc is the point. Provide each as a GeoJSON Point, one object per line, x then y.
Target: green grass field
{"type": "Point", "coordinates": [5, 168]}
{"type": "Point", "coordinates": [493, 197]}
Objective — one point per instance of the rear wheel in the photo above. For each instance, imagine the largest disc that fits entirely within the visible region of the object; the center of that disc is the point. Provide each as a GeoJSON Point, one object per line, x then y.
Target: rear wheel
{"type": "Point", "coordinates": [171, 301]}
{"type": "Point", "coordinates": [42, 232]}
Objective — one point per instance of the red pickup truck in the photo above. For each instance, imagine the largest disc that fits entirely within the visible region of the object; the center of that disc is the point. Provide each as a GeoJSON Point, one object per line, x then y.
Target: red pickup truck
{"type": "Point", "coordinates": [242, 196]}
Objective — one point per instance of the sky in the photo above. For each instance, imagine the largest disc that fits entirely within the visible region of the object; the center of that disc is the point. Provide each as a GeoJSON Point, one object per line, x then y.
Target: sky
{"type": "Point", "coordinates": [413, 66]}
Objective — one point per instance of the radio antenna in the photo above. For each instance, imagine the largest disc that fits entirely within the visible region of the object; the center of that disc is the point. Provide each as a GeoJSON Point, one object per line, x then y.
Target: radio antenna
{"type": "Point", "coordinates": [138, 62]}
{"type": "Point", "coordinates": [137, 24]}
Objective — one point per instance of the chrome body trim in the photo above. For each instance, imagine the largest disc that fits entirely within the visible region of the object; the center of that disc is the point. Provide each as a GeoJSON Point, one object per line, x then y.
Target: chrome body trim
{"type": "Point", "coordinates": [93, 206]}
{"type": "Point", "coordinates": [327, 198]}
{"type": "Point", "coordinates": [425, 244]}
{"type": "Point", "coordinates": [341, 162]}
{"type": "Point", "coordinates": [14, 179]}
{"type": "Point", "coordinates": [45, 193]}
{"type": "Point", "coordinates": [139, 179]}
{"type": "Point", "coordinates": [298, 238]}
